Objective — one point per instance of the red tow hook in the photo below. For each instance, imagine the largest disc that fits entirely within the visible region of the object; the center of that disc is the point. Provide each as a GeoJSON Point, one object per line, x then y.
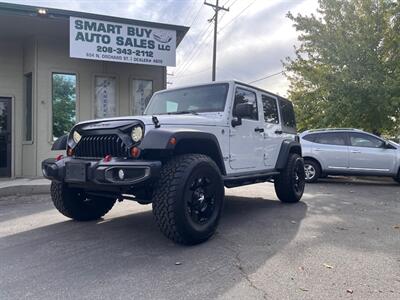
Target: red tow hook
{"type": "Point", "coordinates": [107, 158]}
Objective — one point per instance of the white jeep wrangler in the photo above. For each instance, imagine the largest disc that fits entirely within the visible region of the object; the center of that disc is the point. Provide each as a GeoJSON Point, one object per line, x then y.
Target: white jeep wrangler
{"type": "Point", "coordinates": [188, 145]}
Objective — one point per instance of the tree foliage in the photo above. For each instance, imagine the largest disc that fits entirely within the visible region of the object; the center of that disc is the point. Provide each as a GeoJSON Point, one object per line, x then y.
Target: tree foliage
{"type": "Point", "coordinates": [64, 102]}
{"type": "Point", "coordinates": [346, 71]}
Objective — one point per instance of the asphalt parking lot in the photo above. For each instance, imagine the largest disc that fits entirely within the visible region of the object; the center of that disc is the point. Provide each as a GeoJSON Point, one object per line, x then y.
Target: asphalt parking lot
{"type": "Point", "coordinates": [341, 241]}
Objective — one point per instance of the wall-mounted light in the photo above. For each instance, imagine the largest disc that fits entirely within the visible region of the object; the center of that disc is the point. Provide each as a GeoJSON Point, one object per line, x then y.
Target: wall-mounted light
{"type": "Point", "coordinates": [42, 11]}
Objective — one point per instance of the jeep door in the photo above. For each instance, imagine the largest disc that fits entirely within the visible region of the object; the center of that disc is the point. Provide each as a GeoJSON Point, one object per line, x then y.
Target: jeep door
{"type": "Point", "coordinates": [369, 155]}
{"type": "Point", "coordinates": [273, 135]}
{"type": "Point", "coordinates": [246, 142]}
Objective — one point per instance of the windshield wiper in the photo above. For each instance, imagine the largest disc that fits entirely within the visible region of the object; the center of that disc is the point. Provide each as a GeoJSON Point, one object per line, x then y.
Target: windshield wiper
{"type": "Point", "coordinates": [183, 112]}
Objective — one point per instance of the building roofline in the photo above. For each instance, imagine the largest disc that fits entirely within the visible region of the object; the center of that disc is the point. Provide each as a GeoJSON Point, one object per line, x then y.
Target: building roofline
{"type": "Point", "coordinates": [55, 13]}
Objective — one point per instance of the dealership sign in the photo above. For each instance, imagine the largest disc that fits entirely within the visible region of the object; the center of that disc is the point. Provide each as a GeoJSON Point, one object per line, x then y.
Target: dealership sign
{"type": "Point", "coordinates": [100, 40]}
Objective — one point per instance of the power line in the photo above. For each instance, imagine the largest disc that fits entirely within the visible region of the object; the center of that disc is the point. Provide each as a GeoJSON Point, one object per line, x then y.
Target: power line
{"type": "Point", "coordinates": [233, 3]}
{"type": "Point", "coordinates": [203, 37]}
{"type": "Point", "coordinates": [192, 74]}
{"type": "Point", "coordinates": [194, 50]}
{"type": "Point", "coordinates": [189, 11]}
{"type": "Point", "coordinates": [237, 16]}
{"type": "Point", "coordinates": [268, 76]}
{"type": "Point", "coordinates": [196, 16]}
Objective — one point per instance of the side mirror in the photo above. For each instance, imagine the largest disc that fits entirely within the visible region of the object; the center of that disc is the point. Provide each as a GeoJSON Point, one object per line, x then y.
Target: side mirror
{"type": "Point", "coordinates": [387, 145]}
{"type": "Point", "coordinates": [242, 110]}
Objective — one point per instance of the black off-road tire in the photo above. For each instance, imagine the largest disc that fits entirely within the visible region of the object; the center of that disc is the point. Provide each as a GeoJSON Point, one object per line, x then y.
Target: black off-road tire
{"type": "Point", "coordinates": [74, 204]}
{"type": "Point", "coordinates": [315, 167]}
{"type": "Point", "coordinates": [289, 184]}
{"type": "Point", "coordinates": [172, 193]}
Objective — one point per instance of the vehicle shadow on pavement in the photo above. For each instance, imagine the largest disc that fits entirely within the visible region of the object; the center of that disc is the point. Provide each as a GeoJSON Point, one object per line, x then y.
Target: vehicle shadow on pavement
{"type": "Point", "coordinates": [127, 255]}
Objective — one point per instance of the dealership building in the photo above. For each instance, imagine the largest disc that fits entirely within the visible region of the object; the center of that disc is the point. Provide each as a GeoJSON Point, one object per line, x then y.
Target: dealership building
{"type": "Point", "coordinates": [60, 67]}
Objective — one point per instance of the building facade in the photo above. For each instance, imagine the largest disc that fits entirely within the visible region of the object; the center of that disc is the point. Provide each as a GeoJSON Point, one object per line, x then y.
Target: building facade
{"type": "Point", "coordinates": [52, 77]}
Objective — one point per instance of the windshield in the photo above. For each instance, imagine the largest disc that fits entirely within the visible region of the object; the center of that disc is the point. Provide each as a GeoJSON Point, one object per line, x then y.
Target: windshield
{"type": "Point", "coordinates": [206, 98]}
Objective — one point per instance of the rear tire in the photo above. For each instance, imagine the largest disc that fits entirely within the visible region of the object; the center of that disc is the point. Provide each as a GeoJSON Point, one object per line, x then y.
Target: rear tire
{"type": "Point", "coordinates": [188, 199]}
{"type": "Point", "coordinates": [312, 171]}
{"type": "Point", "coordinates": [74, 204]}
{"type": "Point", "coordinates": [289, 184]}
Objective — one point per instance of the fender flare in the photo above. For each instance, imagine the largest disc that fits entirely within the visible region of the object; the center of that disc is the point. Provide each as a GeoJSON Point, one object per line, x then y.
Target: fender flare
{"type": "Point", "coordinates": [287, 147]}
{"type": "Point", "coordinates": [60, 143]}
{"type": "Point", "coordinates": [159, 139]}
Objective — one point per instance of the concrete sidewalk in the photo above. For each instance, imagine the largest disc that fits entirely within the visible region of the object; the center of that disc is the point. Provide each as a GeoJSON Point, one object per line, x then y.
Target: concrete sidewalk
{"type": "Point", "coordinates": [24, 186]}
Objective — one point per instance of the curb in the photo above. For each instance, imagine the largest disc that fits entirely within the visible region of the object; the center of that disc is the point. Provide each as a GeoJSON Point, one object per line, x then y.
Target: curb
{"type": "Point", "coordinates": [24, 190]}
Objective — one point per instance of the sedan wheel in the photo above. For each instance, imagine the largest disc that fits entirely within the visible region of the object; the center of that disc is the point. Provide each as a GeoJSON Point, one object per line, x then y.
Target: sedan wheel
{"type": "Point", "coordinates": [312, 171]}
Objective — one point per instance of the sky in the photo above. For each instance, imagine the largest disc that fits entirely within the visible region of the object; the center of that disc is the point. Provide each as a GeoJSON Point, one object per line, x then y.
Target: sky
{"type": "Point", "coordinates": [254, 37]}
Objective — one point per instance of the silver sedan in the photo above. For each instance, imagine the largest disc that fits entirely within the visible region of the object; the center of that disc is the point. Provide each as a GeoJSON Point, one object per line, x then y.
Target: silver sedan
{"type": "Point", "coordinates": [348, 152]}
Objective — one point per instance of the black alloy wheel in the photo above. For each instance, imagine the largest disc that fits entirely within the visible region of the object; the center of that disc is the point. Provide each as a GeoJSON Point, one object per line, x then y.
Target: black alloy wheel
{"type": "Point", "coordinates": [200, 197]}
{"type": "Point", "coordinates": [299, 177]}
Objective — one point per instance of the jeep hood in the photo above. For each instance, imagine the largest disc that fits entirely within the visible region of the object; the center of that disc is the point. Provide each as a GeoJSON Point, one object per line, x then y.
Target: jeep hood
{"type": "Point", "coordinates": [203, 119]}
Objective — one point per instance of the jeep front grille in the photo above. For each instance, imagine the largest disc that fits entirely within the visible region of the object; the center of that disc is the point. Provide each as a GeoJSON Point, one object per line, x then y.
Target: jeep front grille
{"type": "Point", "coordinates": [101, 145]}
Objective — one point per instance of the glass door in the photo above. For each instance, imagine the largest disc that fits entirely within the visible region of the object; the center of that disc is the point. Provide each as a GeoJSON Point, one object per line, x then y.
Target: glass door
{"type": "Point", "coordinates": [5, 137]}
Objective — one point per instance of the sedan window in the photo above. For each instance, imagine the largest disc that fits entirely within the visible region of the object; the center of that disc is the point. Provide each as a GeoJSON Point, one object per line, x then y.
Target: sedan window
{"type": "Point", "coordinates": [364, 140]}
{"type": "Point", "coordinates": [309, 137]}
{"type": "Point", "coordinates": [330, 138]}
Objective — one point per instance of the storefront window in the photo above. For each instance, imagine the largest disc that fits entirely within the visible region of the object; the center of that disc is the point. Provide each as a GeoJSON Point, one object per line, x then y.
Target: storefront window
{"type": "Point", "coordinates": [27, 127]}
{"type": "Point", "coordinates": [142, 90]}
{"type": "Point", "coordinates": [105, 100]}
{"type": "Point", "coordinates": [64, 103]}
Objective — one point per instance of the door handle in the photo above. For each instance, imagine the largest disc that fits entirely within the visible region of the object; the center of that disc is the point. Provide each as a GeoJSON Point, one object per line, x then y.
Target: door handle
{"type": "Point", "coordinates": [258, 129]}
{"type": "Point", "coordinates": [318, 149]}
{"type": "Point", "coordinates": [278, 131]}
{"type": "Point", "coordinates": [355, 151]}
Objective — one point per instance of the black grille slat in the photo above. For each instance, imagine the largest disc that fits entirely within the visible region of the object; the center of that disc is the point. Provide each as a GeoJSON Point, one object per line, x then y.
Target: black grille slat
{"type": "Point", "coordinates": [101, 145]}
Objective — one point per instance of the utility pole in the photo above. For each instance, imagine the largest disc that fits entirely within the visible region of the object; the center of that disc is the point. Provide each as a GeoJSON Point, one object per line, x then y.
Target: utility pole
{"type": "Point", "coordinates": [215, 18]}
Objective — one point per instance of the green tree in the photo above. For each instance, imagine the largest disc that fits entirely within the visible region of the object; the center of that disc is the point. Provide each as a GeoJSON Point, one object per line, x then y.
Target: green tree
{"type": "Point", "coordinates": [346, 70]}
{"type": "Point", "coordinates": [64, 102]}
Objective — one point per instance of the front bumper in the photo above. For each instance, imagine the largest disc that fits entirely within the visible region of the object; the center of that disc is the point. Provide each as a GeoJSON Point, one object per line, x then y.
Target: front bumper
{"type": "Point", "coordinates": [97, 172]}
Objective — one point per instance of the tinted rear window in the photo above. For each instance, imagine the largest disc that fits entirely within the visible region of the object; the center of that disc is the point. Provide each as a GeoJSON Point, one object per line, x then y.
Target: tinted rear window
{"type": "Point", "coordinates": [309, 137]}
{"type": "Point", "coordinates": [330, 138]}
{"type": "Point", "coordinates": [287, 113]}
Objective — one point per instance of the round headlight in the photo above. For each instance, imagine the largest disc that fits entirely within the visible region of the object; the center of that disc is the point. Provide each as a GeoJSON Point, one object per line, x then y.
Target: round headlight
{"type": "Point", "coordinates": [137, 134]}
{"type": "Point", "coordinates": [76, 137]}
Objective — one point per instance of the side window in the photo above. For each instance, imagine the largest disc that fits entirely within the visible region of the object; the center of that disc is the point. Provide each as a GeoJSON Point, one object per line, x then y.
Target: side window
{"type": "Point", "coordinates": [245, 96]}
{"type": "Point", "coordinates": [309, 137]}
{"type": "Point", "coordinates": [287, 113]}
{"type": "Point", "coordinates": [330, 138]}
{"type": "Point", "coordinates": [270, 109]}
{"type": "Point", "coordinates": [63, 103]}
{"type": "Point", "coordinates": [364, 140]}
